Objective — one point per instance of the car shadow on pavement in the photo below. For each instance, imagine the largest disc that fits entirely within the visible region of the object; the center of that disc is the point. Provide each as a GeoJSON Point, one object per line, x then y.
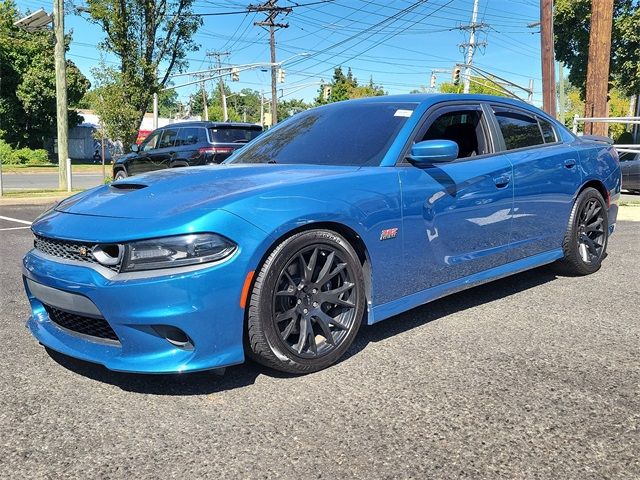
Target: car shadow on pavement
{"type": "Point", "coordinates": [202, 383]}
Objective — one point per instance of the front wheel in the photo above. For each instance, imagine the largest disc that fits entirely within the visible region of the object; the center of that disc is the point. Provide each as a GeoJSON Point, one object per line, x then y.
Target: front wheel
{"type": "Point", "coordinates": [307, 303]}
{"type": "Point", "coordinates": [585, 241]}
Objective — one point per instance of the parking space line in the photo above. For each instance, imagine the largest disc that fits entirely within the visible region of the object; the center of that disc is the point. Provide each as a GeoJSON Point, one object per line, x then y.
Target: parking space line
{"type": "Point", "coordinates": [13, 228]}
{"type": "Point", "coordinates": [17, 220]}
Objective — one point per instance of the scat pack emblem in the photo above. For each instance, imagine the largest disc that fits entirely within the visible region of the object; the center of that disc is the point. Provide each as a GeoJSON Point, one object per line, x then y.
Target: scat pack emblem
{"type": "Point", "coordinates": [84, 251]}
{"type": "Point", "coordinates": [388, 234]}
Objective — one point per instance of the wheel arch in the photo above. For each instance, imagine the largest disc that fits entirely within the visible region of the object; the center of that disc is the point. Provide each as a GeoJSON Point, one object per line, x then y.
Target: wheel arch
{"type": "Point", "coordinates": [599, 186]}
{"type": "Point", "coordinates": [119, 167]}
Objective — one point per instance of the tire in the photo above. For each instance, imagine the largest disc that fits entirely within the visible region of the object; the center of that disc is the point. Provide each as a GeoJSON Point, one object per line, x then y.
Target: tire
{"type": "Point", "coordinates": [585, 242]}
{"type": "Point", "coordinates": [120, 174]}
{"type": "Point", "coordinates": [303, 313]}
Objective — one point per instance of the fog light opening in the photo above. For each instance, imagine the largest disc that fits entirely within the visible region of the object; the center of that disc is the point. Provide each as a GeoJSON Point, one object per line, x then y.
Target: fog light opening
{"type": "Point", "coordinates": [174, 336]}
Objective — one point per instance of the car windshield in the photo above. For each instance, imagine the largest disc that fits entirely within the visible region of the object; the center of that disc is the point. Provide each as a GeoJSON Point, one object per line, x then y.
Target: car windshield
{"type": "Point", "coordinates": [232, 134]}
{"type": "Point", "coordinates": [358, 134]}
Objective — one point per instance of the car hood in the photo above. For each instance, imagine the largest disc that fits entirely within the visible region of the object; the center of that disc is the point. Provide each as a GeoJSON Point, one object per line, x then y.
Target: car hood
{"type": "Point", "coordinates": [172, 192]}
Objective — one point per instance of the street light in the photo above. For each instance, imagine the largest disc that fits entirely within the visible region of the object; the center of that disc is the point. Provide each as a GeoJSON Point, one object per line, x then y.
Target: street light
{"type": "Point", "coordinates": [39, 20]}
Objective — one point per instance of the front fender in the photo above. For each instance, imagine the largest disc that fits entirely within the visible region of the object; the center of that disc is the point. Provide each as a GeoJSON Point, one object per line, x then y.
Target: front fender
{"type": "Point", "coordinates": [367, 206]}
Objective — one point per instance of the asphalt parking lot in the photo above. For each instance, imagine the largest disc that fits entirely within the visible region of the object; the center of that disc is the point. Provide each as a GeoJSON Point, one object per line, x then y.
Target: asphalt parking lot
{"type": "Point", "coordinates": [533, 376]}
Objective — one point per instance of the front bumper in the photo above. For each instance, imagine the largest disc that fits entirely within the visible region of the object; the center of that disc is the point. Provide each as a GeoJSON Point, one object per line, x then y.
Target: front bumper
{"type": "Point", "coordinates": [203, 302]}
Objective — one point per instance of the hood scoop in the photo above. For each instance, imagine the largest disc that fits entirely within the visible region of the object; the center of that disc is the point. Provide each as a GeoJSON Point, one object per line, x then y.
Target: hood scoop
{"type": "Point", "coordinates": [127, 186]}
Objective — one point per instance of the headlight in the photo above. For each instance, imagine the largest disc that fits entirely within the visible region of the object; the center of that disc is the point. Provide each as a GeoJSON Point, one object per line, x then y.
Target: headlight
{"type": "Point", "coordinates": [176, 251]}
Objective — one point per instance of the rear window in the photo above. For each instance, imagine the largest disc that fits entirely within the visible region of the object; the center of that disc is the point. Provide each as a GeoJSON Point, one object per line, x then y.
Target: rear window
{"type": "Point", "coordinates": [233, 134]}
{"type": "Point", "coordinates": [518, 129]}
{"type": "Point", "coordinates": [358, 133]}
{"type": "Point", "coordinates": [548, 131]}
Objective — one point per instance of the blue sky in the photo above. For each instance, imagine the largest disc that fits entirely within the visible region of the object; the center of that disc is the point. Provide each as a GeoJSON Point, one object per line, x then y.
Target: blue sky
{"type": "Point", "coordinates": [399, 54]}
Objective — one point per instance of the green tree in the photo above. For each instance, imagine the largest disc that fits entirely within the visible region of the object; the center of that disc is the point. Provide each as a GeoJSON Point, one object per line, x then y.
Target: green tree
{"type": "Point", "coordinates": [118, 116]}
{"type": "Point", "coordinates": [345, 87]}
{"type": "Point", "coordinates": [168, 103]}
{"type": "Point", "coordinates": [27, 83]}
{"type": "Point", "coordinates": [618, 107]}
{"type": "Point", "coordinates": [146, 36]}
{"type": "Point", "coordinates": [478, 85]}
{"type": "Point", "coordinates": [288, 108]}
{"type": "Point", "coordinates": [572, 22]}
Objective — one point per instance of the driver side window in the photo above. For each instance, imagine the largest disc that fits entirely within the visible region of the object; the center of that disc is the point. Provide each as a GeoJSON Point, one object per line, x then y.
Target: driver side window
{"type": "Point", "coordinates": [151, 141]}
{"type": "Point", "coordinates": [464, 127]}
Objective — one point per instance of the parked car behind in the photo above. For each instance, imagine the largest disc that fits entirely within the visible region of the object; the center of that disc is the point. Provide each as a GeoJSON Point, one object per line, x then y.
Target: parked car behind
{"type": "Point", "coordinates": [630, 166]}
{"type": "Point", "coordinates": [184, 145]}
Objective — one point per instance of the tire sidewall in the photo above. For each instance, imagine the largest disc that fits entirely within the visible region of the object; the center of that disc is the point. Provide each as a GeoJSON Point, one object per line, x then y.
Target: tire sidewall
{"type": "Point", "coordinates": [283, 255]}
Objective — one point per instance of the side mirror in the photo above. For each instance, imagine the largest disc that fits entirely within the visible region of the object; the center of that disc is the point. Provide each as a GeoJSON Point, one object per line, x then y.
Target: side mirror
{"type": "Point", "coordinates": [135, 148]}
{"type": "Point", "coordinates": [433, 151]}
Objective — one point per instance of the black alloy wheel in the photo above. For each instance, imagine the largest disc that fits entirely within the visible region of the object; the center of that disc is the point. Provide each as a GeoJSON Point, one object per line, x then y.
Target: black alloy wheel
{"type": "Point", "coordinates": [591, 234]}
{"type": "Point", "coordinates": [314, 304]}
{"type": "Point", "coordinates": [307, 303]}
{"type": "Point", "coordinates": [585, 242]}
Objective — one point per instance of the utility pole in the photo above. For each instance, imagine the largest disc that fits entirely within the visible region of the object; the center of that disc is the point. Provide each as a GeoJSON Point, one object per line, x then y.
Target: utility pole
{"type": "Point", "coordinates": [472, 44]}
{"type": "Point", "coordinates": [595, 104]}
{"type": "Point", "coordinates": [272, 10]}
{"type": "Point", "coordinates": [548, 57]}
{"type": "Point", "coordinates": [223, 95]}
{"type": "Point", "coordinates": [61, 94]}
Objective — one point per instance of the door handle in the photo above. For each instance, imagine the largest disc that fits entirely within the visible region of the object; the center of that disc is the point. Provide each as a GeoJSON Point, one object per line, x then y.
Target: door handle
{"type": "Point", "coordinates": [570, 163]}
{"type": "Point", "coordinates": [502, 181]}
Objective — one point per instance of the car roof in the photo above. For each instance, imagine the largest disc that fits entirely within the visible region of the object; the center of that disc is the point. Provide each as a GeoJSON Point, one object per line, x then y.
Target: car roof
{"type": "Point", "coordinates": [433, 98]}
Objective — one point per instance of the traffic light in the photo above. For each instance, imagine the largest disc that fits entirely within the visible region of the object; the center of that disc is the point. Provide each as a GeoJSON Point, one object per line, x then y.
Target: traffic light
{"type": "Point", "coordinates": [235, 74]}
{"type": "Point", "coordinates": [456, 75]}
{"type": "Point", "coordinates": [326, 92]}
{"type": "Point", "coordinates": [433, 81]}
{"type": "Point", "coordinates": [281, 75]}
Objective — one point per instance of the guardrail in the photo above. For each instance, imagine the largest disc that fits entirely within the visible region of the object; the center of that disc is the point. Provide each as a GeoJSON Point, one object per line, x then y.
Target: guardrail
{"type": "Point", "coordinates": [627, 148]}
{"type": "Point", "coordinates": [627, 120]}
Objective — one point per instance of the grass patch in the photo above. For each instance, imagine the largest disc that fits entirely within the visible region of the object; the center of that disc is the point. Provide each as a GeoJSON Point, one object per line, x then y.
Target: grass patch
{"type": "Point", "coordinates": [53, 168]}
{"type": "Point", "coordinates": [37, 193]}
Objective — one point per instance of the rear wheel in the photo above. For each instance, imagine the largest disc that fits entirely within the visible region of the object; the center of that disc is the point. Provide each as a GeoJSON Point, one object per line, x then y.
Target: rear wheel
{"type": "Point", "coordinates": [307, 303]}
{"type": "Point", "coordinates": [585, 242]}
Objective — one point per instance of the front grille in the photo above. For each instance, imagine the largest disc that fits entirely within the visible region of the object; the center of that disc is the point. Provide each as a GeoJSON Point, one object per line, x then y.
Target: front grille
{"type": "Point", "coordinates": [93, 327]}
{"type": "Point", "coordinates": [71, 250]}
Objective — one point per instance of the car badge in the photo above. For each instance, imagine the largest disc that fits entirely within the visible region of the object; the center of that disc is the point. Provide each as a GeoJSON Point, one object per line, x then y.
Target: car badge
{"type": "Point", "coordinates": [83, 251]}
{"type": "Point", "coordinates": [388, 234]}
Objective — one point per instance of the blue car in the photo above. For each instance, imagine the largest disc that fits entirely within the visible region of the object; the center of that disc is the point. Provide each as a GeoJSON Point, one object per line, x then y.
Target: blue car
{"type": "Point", "coordinates": [347, 213]}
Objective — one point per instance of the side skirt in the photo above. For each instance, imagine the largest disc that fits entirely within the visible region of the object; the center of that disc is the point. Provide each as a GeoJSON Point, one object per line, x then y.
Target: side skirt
{"type": "Point", "coordinates": [389, 309]}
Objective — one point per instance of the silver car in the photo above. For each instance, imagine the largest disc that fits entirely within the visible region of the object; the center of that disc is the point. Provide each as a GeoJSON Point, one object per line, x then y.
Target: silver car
{"type": "Point", "coordinates": [630, 166]}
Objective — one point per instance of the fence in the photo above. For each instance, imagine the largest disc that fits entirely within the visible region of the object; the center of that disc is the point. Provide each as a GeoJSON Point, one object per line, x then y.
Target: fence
{"type": "Point", "coordinates": [631, 148]}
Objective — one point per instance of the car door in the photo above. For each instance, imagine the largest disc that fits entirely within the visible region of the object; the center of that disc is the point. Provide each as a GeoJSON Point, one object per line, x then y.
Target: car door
{"type": "Point", "coordinates": [140, 163]}
{"type": "Point", "coordinates": [634, 173]}
{"type": "Point", "coordinates": [546, 177]}
{"type": "Point", "coordinates": [456, 215]}
{"type": "Point", "coordinates": [160, 157]}
{"type": "Point", "coordinates": [630, 166]}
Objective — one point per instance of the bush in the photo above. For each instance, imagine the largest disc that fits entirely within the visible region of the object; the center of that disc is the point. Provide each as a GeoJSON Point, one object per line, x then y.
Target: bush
{"type": "Point", "coordinates": [22, 156]}
{"type": "Point", "coordinates": [6, 153]}
{"type": "Point", "coordinates": [31, 157]}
